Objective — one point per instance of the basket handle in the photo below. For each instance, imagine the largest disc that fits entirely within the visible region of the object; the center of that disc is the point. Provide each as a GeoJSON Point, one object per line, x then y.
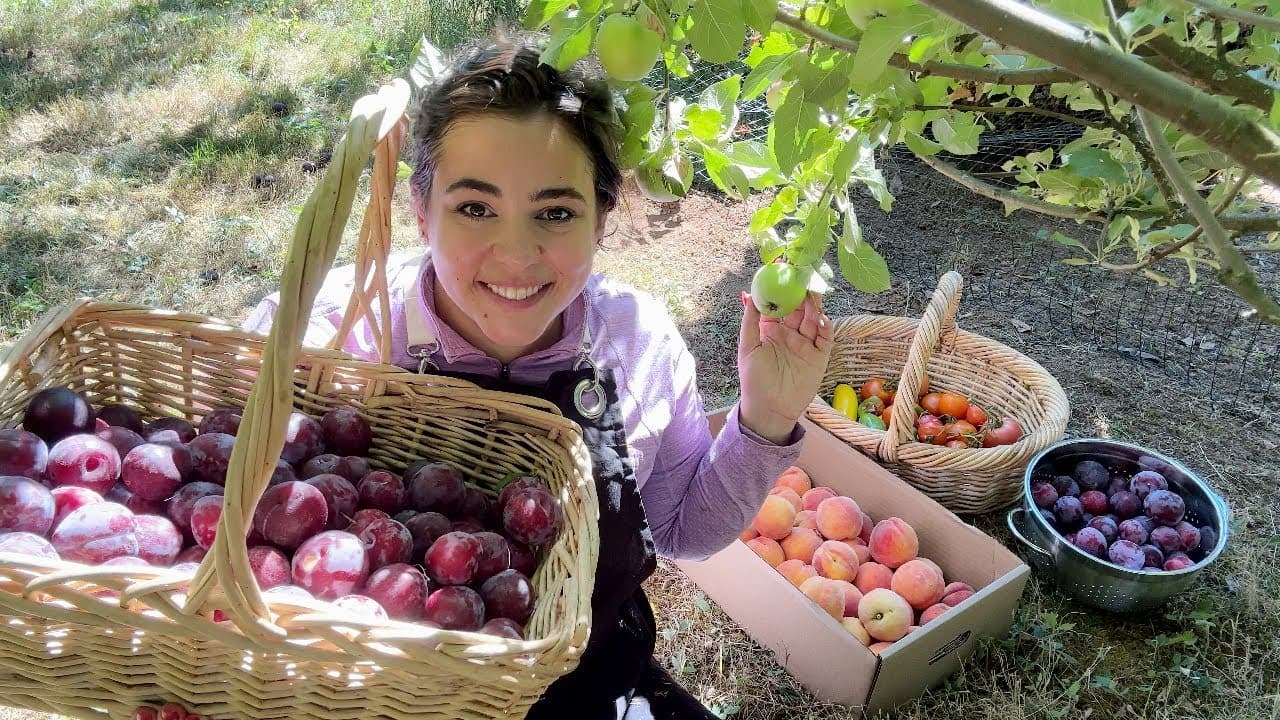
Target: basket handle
{"type": "Point", "coordinates": [370, 295]}
{"type": "Point", "coordinates": [936, 329]}
{"type": "Point", "coordinates": [376, 122]}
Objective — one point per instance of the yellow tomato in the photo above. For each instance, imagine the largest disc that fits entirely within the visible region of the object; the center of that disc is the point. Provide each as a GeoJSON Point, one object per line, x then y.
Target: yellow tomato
{"type": "Point", "coordinates": [845, 401]}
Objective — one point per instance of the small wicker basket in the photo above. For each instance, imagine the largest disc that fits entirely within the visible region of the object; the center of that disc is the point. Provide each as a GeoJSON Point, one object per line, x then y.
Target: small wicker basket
{"type": "Point", "coordinates": [965, 480]}
{"type": "Point", "coordinates": [97, 642]}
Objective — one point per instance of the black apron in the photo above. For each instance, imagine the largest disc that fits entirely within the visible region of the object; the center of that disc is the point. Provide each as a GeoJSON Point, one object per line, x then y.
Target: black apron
{"type": "Point", "coordinates": [623, 631]}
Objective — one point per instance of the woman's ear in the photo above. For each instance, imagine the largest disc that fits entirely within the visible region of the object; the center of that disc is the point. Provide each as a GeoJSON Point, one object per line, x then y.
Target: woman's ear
{"type": "Point", "coordinates": [420, 212]}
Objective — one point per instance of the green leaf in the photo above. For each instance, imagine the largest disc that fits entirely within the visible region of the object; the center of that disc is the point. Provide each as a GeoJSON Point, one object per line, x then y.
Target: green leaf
{"type": "Point", "coordinates": [832, 90]}
{"type": "Point", "coordinates": [753, 158]}
{"type": "Point", "coordinates": [814, 237]}
{"type": "Point", "coordinates": [759, 13]}
{"type": "Point", "coordinates": [570, 42]}
{"type": "Point", "coordinates": [1091, 162]}
{"type": "Point", "coordinates": [403, 171]}
{"type": "Point", "coordinates": [881, 39]}
{"type": "Point", "coordinates": [540, 12]}
{"type": "Point", "coordinates": [763, 75]}
{"type": "Point", "coordinates": [429, 65]}
{"type": "Point", "coordinates": [705, 123]}
{"type": "Point", "coordinates": [638, 120]}
{"type": "Point", "coordinates": [718, 29]}
{"type": "Point", "coordinates": [958, 134]}
{"type": "Point", "coordinates": [726, 175]}
{"type": "Point", "coordinates": [1275, 112]}
{"type": "Point", "coordinates": [783, 204]}
{"type": "Point", "coordinates": [860, 264]}
{"type": "Point", "coordinates": [1089, 13]}
{"type": "Point", "coordinates": [790, 126]}
{"type": "Point", "coordinates": [921, 145]}
{"type": "Point", "coordinates": [1140, 17]}
{"type": "Point", "coordinates": [771, 247]}
{"type": "Point", "coordinates": [1068, 241]}
{"type": "Point", "coordinates": [775, 43]}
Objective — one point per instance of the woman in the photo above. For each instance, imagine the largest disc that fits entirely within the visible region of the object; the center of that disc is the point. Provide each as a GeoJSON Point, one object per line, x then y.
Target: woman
{"type": "Point", "coordinates": [515, 171]}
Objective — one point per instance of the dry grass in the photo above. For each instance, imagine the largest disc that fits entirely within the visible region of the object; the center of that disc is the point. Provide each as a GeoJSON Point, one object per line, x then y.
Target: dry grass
{"type": "Point", "coordinates": [128, 143]}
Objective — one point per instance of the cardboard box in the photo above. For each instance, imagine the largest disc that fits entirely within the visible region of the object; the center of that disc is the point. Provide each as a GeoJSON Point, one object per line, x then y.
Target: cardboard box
{"type": "Point", "coordinates": [812, 646]}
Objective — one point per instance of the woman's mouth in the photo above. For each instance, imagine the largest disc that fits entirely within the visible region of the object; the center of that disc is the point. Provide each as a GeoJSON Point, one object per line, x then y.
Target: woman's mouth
{"type": "Point", "coordinates": [517, 295]}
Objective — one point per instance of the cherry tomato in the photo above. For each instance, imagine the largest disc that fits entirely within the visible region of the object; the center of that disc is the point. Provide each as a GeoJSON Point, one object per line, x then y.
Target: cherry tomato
{"type": "Point", "coordinates": [890, 392]}
{"type": "Point", "coordinates": [888, 413]}
{"type": "Point", "coordinates": [874, 386]}
{"type": "Point", "coordinates": [932, 403]}
{"type": "Point", "coordinates": [953, 404]}
{"type": "Point", "coordinates": [956, 444]}
{"type": "Point", "coordinates": [927, 431]}
{"type": "Point", "coordinates": [871, 406]}
{"type": "Point", "coordinates": [927, 418]}
{"type": "Point", "coordinates": [958, 430]}
{"type": "Point", "coordinates": [975, 415]}
{"type": "Point", "coordinates": [1003, 431]}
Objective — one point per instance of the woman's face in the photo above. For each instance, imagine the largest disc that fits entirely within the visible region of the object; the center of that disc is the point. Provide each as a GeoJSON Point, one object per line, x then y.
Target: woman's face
{"type": "Point", "coordinates": [512, 223]}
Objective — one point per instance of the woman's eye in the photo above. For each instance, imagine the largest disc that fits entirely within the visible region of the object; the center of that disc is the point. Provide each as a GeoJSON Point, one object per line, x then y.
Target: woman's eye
{"type": "Point", "coordinates": [473, 210]}
{"type": "Point", "coordinates": [557, 214]}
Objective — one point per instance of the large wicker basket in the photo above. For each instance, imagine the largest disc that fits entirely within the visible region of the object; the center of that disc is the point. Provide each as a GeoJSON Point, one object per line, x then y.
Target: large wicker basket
{"type": "Point", "coordinates": [67, 649]}
{"type": "Point", "coordinates": [965, 480]}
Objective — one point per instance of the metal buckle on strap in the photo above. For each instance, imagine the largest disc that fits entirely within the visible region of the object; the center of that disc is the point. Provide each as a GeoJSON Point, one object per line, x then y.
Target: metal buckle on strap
{"type": "Point", "coordinates": [588, 386]}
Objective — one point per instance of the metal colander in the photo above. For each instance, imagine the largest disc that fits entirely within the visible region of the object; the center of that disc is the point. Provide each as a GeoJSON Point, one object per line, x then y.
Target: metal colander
{"type": "Point", "coordinates": [1095, 581]}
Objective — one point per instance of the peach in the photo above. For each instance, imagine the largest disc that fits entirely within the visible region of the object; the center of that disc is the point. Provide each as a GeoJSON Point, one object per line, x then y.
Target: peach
{"type": "Point", "coordinates": [801, 544]}
{"type": "Point", "coordinates": [750, 533]}
{"type": "Point", "coordinates": [885, 614]}
{"type": "Point", "coordinates": [852, 596]}
{"type": "Point", "coordinates": [911, 629]}
{"type": "Point", "coordinates": [807, 519]}
{"type": "Point", "coordinates": [867, 525]}
{"type": "Point", "coordinates": [796, 479]}
{"type": "Point", "coordinates": [918, 583]}
{"type": "Point", "coordinates": [879, 647]}
{"type": "Point", "coordinates": [935, 566]}
{"type": "Point", "coordinates": [854, 626]}
{"type": "Point", "coordinates": [769, 550]}
{"type": "Point", "coordinates": [835, 560]}
{"type": "Point", "coordinates": [953, 587]}
{"type": "Point", "coordinates": [789, 495]}
{"type": "Point", "coordinates": [813, 498]}
{"type": "Point", "coordinates": [932, 612]}
{"type": "Point", "coordinates": [796, 571]}
{"type": "Point", "coordinates": [839, 518]}
{"type": "Point", "coordinates": [862, 551]}
{"type": "Point", "coordinates": [872, 575]}
{"type": "Point", "coordinates": [955, 598]}
{"type": "Point", "coordinates": [826, 594]}
{"type": "Point", "coordinates": [776, 518]}
{"type": "Point", "coordinates": [893, 542]}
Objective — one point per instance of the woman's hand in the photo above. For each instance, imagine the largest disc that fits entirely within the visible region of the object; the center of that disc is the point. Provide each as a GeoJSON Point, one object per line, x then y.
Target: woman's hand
{"type": "Point", "coordinates": [780, 365]}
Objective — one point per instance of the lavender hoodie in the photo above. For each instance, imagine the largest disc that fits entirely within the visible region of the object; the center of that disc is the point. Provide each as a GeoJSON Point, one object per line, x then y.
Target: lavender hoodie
{"type": "Point", "coordinates": [698, 492]}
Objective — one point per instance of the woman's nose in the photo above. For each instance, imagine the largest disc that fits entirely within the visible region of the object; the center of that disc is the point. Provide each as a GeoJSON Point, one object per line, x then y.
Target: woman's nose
{"type": "Point", "coordinates": [516, 246]}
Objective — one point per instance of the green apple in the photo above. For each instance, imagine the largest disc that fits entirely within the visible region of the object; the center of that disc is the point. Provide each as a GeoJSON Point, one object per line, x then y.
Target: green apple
{"type": "Point", "coordinates": [779, 288]}
{"type": "Point", "coordinates": [627, 49]}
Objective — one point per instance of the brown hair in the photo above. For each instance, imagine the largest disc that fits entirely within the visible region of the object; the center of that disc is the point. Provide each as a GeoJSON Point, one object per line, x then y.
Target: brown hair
{"type": "Point", "coordinates": [506, 77]}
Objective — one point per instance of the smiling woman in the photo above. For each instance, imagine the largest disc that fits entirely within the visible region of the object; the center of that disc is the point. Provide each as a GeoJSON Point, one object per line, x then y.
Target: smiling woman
{"type": "Point", "coordinates": [515, 171]}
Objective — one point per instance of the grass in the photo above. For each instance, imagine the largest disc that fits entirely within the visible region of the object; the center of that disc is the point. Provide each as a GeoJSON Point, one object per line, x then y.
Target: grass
{"type": "Point", "coordinates": [130, 136]}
